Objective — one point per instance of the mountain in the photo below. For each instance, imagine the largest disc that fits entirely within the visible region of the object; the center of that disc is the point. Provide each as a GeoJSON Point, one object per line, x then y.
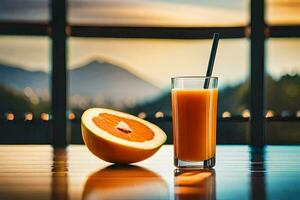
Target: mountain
{"type": "Point", "coordinates": [18, 78]}
{"type": "Point", "coordinates": [108, 83]}
{"type": "Point", "coordinates": [99, 83]}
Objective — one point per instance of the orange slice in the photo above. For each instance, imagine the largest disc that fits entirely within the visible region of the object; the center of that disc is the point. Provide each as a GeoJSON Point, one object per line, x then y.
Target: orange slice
{"type": "Point", "coordinates": [118, 137]}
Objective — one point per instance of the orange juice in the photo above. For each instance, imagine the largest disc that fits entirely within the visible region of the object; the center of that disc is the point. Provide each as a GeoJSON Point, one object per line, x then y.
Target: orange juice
{"type": "Point", "coordinates": [194, 123]}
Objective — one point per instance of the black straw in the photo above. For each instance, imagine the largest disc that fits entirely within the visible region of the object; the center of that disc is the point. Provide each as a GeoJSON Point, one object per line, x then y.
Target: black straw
{"type": "Point", "coordinates": [211, 59]}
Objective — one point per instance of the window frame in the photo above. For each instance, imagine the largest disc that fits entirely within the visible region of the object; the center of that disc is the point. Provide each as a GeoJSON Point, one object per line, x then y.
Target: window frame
{"type": "Point", "coordinates": [257, 31]}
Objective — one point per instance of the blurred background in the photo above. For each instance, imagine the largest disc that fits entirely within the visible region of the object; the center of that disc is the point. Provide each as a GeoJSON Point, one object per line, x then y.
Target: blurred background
{"type": "Point", "coordinates": [131, 72]}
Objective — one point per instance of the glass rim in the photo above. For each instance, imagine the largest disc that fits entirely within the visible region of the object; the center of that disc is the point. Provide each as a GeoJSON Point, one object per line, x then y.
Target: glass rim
{"type": "Point", "coordinates": [194, 77]}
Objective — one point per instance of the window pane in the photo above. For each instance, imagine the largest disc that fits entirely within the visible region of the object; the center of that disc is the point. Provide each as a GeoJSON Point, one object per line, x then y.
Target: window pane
{"type": "Point", "coordinates": [159, 12]}
{"type": "Point", "coordinates": [283, 67]}
{"type": "Point", "coordinates": [24, 10]}
{"type": "Point", "coordinates": [134, 75]}
{"type": "Point", "coordinates": [283, 91]}
{"type": "Point", "coordinates": [283, 11]}
{"type": "Point", "coordinates": [24, 89]}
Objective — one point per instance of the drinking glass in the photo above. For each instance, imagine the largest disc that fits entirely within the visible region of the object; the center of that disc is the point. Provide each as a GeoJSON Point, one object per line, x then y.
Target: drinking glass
{"type": "Point", "coordinates": [194, 112]}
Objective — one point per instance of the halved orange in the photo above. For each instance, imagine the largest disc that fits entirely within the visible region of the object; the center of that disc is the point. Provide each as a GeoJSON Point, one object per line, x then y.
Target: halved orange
{"type": "Point", "coordinates": [118, 137]}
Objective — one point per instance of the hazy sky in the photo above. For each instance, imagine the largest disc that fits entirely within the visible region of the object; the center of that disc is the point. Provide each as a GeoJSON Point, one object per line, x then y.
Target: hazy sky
{"type": "Point", "coordinates": [154, 12]}
{"type": "Point", "coordinates": [155, 60]}
{"type": "Point", "coordinates": [137, 12]}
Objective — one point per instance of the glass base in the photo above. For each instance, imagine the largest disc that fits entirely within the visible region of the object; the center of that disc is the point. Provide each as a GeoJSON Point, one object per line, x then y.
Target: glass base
{"type": "Point", "coordinates": [197, 164]}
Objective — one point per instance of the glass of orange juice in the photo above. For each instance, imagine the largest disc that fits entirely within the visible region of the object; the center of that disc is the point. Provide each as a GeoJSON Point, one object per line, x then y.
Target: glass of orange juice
{"type": "Point", "coordinates": [194, 112]}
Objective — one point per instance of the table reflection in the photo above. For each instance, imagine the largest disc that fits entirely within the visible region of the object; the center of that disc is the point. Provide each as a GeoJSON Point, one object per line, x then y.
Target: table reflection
{"type": "Point", "coordinates": [258, 182]}
{"type": "Point", "coordinates": [125, 182]}
{"type": "Point", "coordinates": [195, 184]}
{"type": "Point", "coordinates": [59, 185]}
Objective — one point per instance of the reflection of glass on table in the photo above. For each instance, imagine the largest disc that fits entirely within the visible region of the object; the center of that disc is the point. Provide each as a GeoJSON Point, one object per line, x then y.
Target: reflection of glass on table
{"type": "Point", "coordinates": [195, 184]}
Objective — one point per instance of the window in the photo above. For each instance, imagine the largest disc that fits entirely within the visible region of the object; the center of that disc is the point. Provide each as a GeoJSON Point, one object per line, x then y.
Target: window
{"type": "Point", "coordinates": [283, 71]}
{"type": "Point", "coordinates": [282, 12]}
{"type": "Point", "coordinates": [24, 10]}
{"type": "Point", "coordinates": [133, 75]}
{"type": "Point", "coordinates": [24, 89]}
{"type": "Point", "coordinates": [283, 92]}
{"type": "Point", "coordinates": [161, 13]}
{"type": "Point", "coordinates": [171, 36]}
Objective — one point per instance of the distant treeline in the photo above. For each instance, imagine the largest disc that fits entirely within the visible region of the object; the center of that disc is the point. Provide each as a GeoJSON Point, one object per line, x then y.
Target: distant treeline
{"type": "Point", "coordinates": [281, 95]}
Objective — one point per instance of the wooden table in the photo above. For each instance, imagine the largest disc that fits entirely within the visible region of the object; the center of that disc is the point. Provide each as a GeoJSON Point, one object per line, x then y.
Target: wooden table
{"type": "Point", "coordinates": [242, 172]}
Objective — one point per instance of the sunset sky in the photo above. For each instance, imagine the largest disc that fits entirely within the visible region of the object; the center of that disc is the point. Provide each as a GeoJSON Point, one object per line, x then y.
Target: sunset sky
{"type": "Point", "coordinates": [155, 60]}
